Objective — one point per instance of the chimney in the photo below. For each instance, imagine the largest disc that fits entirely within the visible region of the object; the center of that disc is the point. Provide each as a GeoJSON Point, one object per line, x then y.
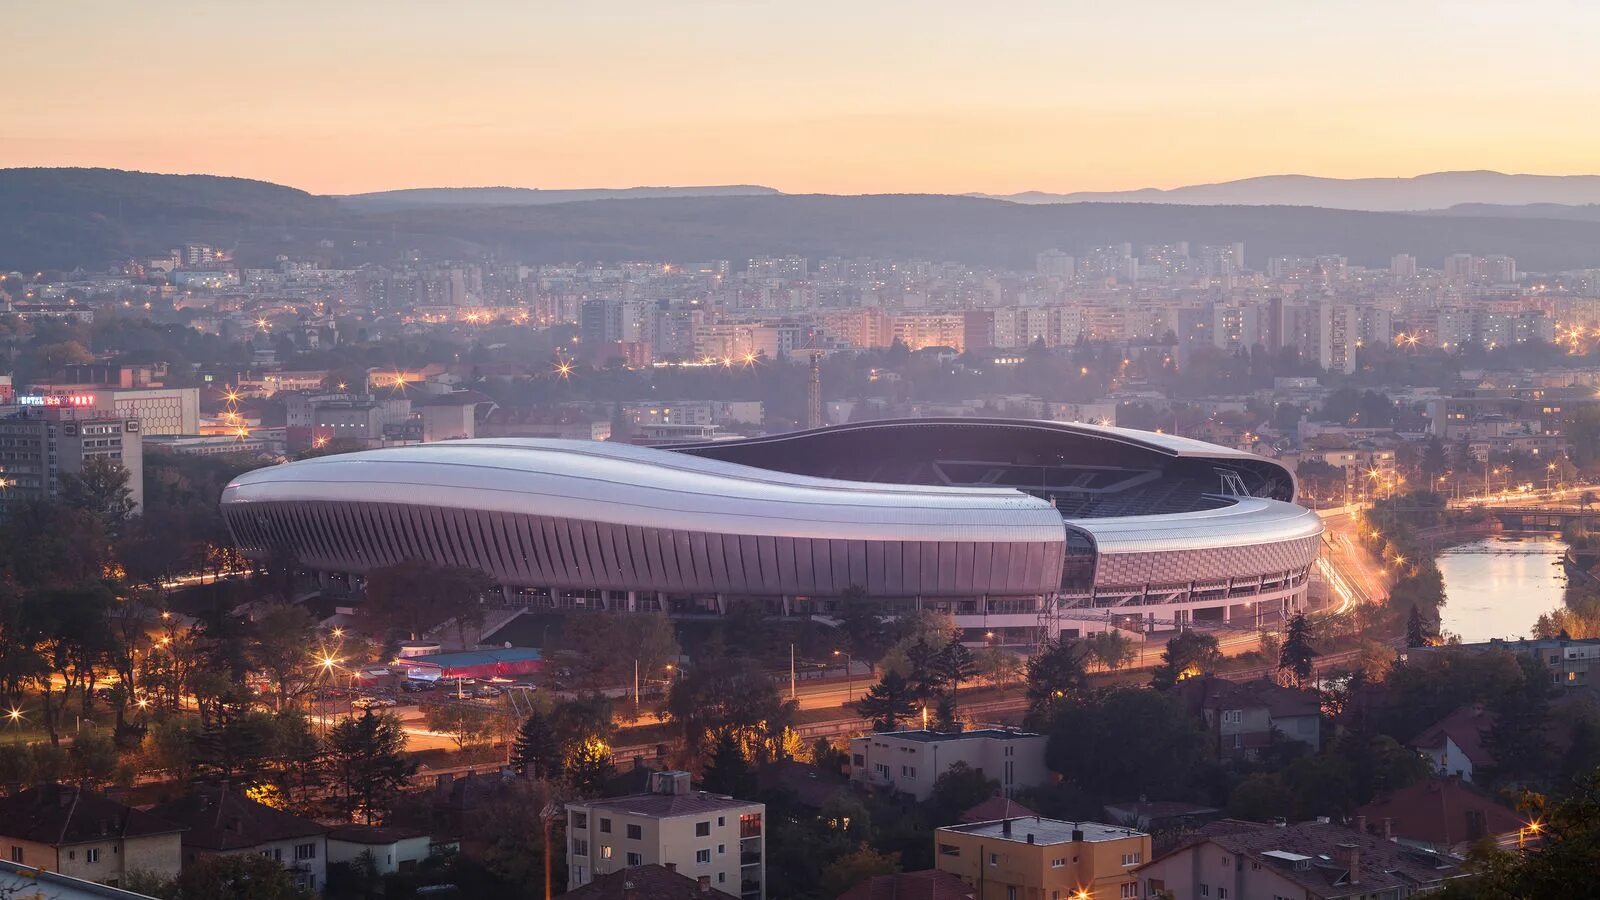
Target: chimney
{"type": "Point", "coordinates": [672, 867]}
{"type": "Point", "coordinates": [1030, 837]}
{"type": "Point", "coordinates": [1005, 827]}
{"type": "Point", "coordinates": [1388, 828]}
{"type": "Point", "coordinates": [629, 892]}
{"type": "Point", "coordinates": [1361, 824]}
{"type": "Point", "coordinates": [1349, 856]}
{"type": "Point", "coordinates": [705, 884]}
{"type": "Point", "coordinates": [1077, 835]}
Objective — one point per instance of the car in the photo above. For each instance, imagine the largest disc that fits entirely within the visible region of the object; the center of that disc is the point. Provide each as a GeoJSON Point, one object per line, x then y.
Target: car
{"type": "Point", "coordinates": [373, 702]}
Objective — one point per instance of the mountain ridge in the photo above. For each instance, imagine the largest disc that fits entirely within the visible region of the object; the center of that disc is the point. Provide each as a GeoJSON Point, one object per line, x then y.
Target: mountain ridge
{"type": "Point", "coordinates": [1427, 192]}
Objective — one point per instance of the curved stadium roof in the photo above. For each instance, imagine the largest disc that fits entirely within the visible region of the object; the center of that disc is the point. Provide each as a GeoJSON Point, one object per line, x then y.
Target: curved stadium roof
{"type": "Point", "coordinates": [627, 485]}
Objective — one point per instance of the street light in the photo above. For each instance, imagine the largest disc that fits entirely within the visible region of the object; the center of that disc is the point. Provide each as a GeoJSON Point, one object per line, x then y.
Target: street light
{"type": "Point", "coordinates": [849, 674]}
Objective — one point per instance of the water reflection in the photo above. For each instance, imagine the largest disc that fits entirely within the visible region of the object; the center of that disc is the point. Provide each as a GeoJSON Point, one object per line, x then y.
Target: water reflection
{"type": "Point", "coordinates": [1499, 586]}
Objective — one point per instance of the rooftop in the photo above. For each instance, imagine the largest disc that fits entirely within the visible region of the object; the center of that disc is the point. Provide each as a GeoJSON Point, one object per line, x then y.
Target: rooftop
{"type": "Point", "coordinates": [921, 736]}
{"type": "Point", "coordinates": [925, 885]}
{"type": "Point", "coordinates": [28, 882]}
{"type": "Point", "coordinates": [58, 814]}
{"type": "Point", "coordinates": [1044, 831]}
{"type": "Point", "coordinates": [662, 806]}
{"type": "Point", "coordinates": [650, 882]}
{"type": "Point", "coordinates": [222, 818]}
{"type": "Point", "coordinates": [1440, 812]}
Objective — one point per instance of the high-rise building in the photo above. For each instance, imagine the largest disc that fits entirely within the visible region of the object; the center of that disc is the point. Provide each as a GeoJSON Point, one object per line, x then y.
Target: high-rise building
{"type": "Point", "coordinates": [1403, 265]}
{"type": "Point", "coordinates": [1056, 264]}
{"type": "Point", "coordinates": [39, 447]}
{"type": "Point", "coordinates": [1030, 856]}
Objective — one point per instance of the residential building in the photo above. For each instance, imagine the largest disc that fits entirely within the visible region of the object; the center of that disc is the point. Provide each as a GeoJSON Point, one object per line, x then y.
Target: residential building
{"type": "Point", "coordinates": [929, 884]}
{"type": "Point", "coordinates": [28, 883]}
{"type": "Point", "coordinates": [910, 762]}
{"type": "Point", "coordinates": [700, 834]}
{"type": "Point", "coordinates": [1572, 662]}
{"type": "Point", "coordinates": [648, 882]}
{"type": "Point", "coordinates": [1244, 717]}
{"type": "Point", "coordinates": [391, 849]}
{"type": "Point", "coordinates": [82, 834]}
{"type": "Point", "coordinates": [1043, 859]}
{"type": "Point", "coordinates": [1445, 815]}
{"type": "Point", "coordinates": [38, 447]}
{"type": "Point", "coordinates": [221, 821]}
{"type": "Point", "coordinates": [1235, 860]}
{"type": "Point", "coordinates": [1455, 744]}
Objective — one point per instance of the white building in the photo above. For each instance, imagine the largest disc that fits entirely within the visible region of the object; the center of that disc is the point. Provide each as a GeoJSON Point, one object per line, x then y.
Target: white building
{"type": "Point", "coordinates": [910, 762]}
{"type": "Point", "coordinates": [391, 849]}
{"type": "Point", "coordinates": [698, 833]}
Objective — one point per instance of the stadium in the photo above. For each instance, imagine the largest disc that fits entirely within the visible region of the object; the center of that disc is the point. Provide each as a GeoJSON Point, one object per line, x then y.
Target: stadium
{"type": "Point", "coordinates": [1019, 529]}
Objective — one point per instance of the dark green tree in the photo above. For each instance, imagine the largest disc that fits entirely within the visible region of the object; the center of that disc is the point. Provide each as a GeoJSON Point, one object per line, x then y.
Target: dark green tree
{"type": "Point", "coordinates": [1416, 628]}
{"type": "Point", "coordinates": [1297, 656]}
{"type": "Point", "coordinates": [888, 703]}
{"type": "Point", "coordinates": [729, 771]}
{"type": "Point", "coordinates": [536, 752]}
{"type": "Point", "coordinates": [1055, 674]}
{"type": "Point", "coordinates": [1169, 760]}
{"type": "Point", "coordinates": [955, 666]}
{"type": "Point", "coordinates": [100, 489]}
{"type": "Point", "coordinates": [589, 766]}
{"type": "Point", "coordinates": [366, 761]}
{"type": "Point", "coordinates": [238, 877]}
{"type": "Point", "coordinates": [1190, 653]}
{"type": "Point", "coordinates": [956, 790]}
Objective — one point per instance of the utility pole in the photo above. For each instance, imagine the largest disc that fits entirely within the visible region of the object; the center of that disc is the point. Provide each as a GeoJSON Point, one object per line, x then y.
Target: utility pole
{"type": "Point", "coordinates": [791, 672]}
{"type": "Point", "coordinates": [636, 683]}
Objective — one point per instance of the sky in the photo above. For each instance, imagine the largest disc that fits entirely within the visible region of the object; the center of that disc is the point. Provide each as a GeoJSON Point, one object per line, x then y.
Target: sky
{"type": "Point", "coordinates": [870, 96]}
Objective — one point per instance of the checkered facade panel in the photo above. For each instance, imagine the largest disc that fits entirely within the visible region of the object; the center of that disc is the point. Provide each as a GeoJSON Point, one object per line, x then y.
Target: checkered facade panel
{"type": "Point", "coordinates": [1176, 566]}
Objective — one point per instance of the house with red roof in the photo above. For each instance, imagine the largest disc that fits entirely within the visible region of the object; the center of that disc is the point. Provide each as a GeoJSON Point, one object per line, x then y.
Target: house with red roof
{"type": "Point", "coordinates": [1445, 815]}
{"type": "Point", "coordinates": [1455, 744]}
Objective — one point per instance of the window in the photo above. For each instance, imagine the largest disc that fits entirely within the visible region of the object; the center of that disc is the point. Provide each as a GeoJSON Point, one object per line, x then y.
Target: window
{"type": "Point", "coordinates": [750, 825]}
{"type": "Point", "coordinates": [92, 855]}
{"type": "Point", "coordinates": [949, 850]}
{"type": "Point", "coordinates": [1058, 863]}
{"type": "Point", "coordinates": [858, 760]}
{"type": "Point", "coordinates": [702, 857]}
{"type": "Point", "coordinates": [721, 821]}
{"type": "Point", "coordinates": [908, 771]}
{"type": "Point", "coordinates": [580, 847]}
{"type": "Point", "coordinates": [305, 851]}
{"type": "Point", "coordinates": [722, 849]}
{"type": "Point", "coordinates": [722, 878]}
{"type": "Point", "coordinates": [1205, 890]}
{"type": "Point", "coordinates": [1222, 893]}
{"type": "Point", "coordinates": [605, 826]}
{"type": "Point", "coordinates": [1011, 892]}
{"type": "Point", "coordinates": [635, 832]}
{"type": "Point", "coordinates": [1133, 859]}
{"type": "Point", "coordinates": [702, 829]}
{"type": "Point", "coordinates": [580, 820]}
{"type": "Point", "coordinates": [1130, 891]}
{"type": "Point", "coordinates": [16, 854]}
{"type": "Point", "coordinates": [635, 859]}
{"type": "Point", "coordinates": [605, 851]}
{"type": "Point", "coordinates": [994, 859]}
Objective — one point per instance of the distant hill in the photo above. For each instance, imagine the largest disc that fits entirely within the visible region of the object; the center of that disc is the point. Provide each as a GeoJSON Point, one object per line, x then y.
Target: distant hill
{"type": "Point", "coordinates": [415, 198]}
{"type": "Point", "coordinates": [1437, 191]}
{"type": "Point", "coordinates": [1589, 212]}
{"type": "Point", "coordinates": [60, 218]}
{"type": "Point", "coordinates": [64, 217]}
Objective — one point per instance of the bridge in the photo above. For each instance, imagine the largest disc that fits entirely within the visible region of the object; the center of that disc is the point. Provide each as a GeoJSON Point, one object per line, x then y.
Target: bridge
{"type": "Point", "coordinates": [1541, 518]}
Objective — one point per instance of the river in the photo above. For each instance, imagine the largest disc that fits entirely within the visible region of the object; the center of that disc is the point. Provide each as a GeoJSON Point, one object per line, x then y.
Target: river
{"type": "Point", "coordinates": [1498, 587]}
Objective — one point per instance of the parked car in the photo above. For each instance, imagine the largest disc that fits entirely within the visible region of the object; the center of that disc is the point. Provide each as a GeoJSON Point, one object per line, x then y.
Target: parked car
{"type": "Point", "coordinates": [373, 702]}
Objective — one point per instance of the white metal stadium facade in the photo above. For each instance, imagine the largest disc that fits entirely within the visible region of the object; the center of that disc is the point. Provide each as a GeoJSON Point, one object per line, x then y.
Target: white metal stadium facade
{"type": "Point", "coordinates": [1016, 528]}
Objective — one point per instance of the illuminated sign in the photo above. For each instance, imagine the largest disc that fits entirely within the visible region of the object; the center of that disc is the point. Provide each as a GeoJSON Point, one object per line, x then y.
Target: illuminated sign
{"type": "Point", "coordinates": [56, 400]}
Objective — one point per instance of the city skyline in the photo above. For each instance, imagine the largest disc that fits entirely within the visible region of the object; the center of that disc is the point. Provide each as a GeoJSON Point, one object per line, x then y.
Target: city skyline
{"type": "Point", "coordinates": [885, 99]}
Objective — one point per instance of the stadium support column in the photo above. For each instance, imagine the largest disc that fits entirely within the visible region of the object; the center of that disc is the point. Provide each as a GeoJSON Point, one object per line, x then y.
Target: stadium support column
{"type": "Point", "coordinates": [814, 393]}
{"type": "Point", "coordinates": [1227, 613]}
{"type": "Point", "coordinates": [633, 601]}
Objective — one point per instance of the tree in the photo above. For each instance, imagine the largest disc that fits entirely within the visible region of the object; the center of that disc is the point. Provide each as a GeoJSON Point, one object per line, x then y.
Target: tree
{"type": "Point", "coordinates": [887, 703]}
{"type": "Point", "coordinates": [1168, 761]}
{"type": "Point", "coordinates": [861, 626]}
{"type": "Point", "coordinates": [242, 877]}
{"type": "Point", "coordinates": [464, 723]}
{"type": "Point", "coordinates": [1111, 648]}
{"type": "Point", "coordinates": [1190, 653]}
{"type": "Point", "coordinates": [721, 693]}
{"type": "Point", "coordinates": [1297, 654]}
{"type": "Point", "coordinates": [1517, 739]}
{"type": "Point", "coordinates": [589, 767]}
{"type": "Point", "coordinates": [954, 666]}
{"type": "Point", "coordinates": [998, 666]}
{"type": "Point", "coordinates": [1055, 674]}
{"type": "Point", "coordinates": [282, 650]}
{"type": "Point", "coordinates": [956, 790]}
{"type": "Point", "coordinates": [414, 597]}
{"type": "Point", "coordinates": [1416, 628]}
{"type": "Point", "coordinates": [853, 868]}
{"type": "Point", "coordinates": [1562, 855]}
{"type": "Point", "coordinates": [536, 753]}
{"type": "Point", "coordinates": [366, 758]}
{"type": "Point", "coordinates": [729, 772]}
{"type": "Point", "coordinates": [101, 489]}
